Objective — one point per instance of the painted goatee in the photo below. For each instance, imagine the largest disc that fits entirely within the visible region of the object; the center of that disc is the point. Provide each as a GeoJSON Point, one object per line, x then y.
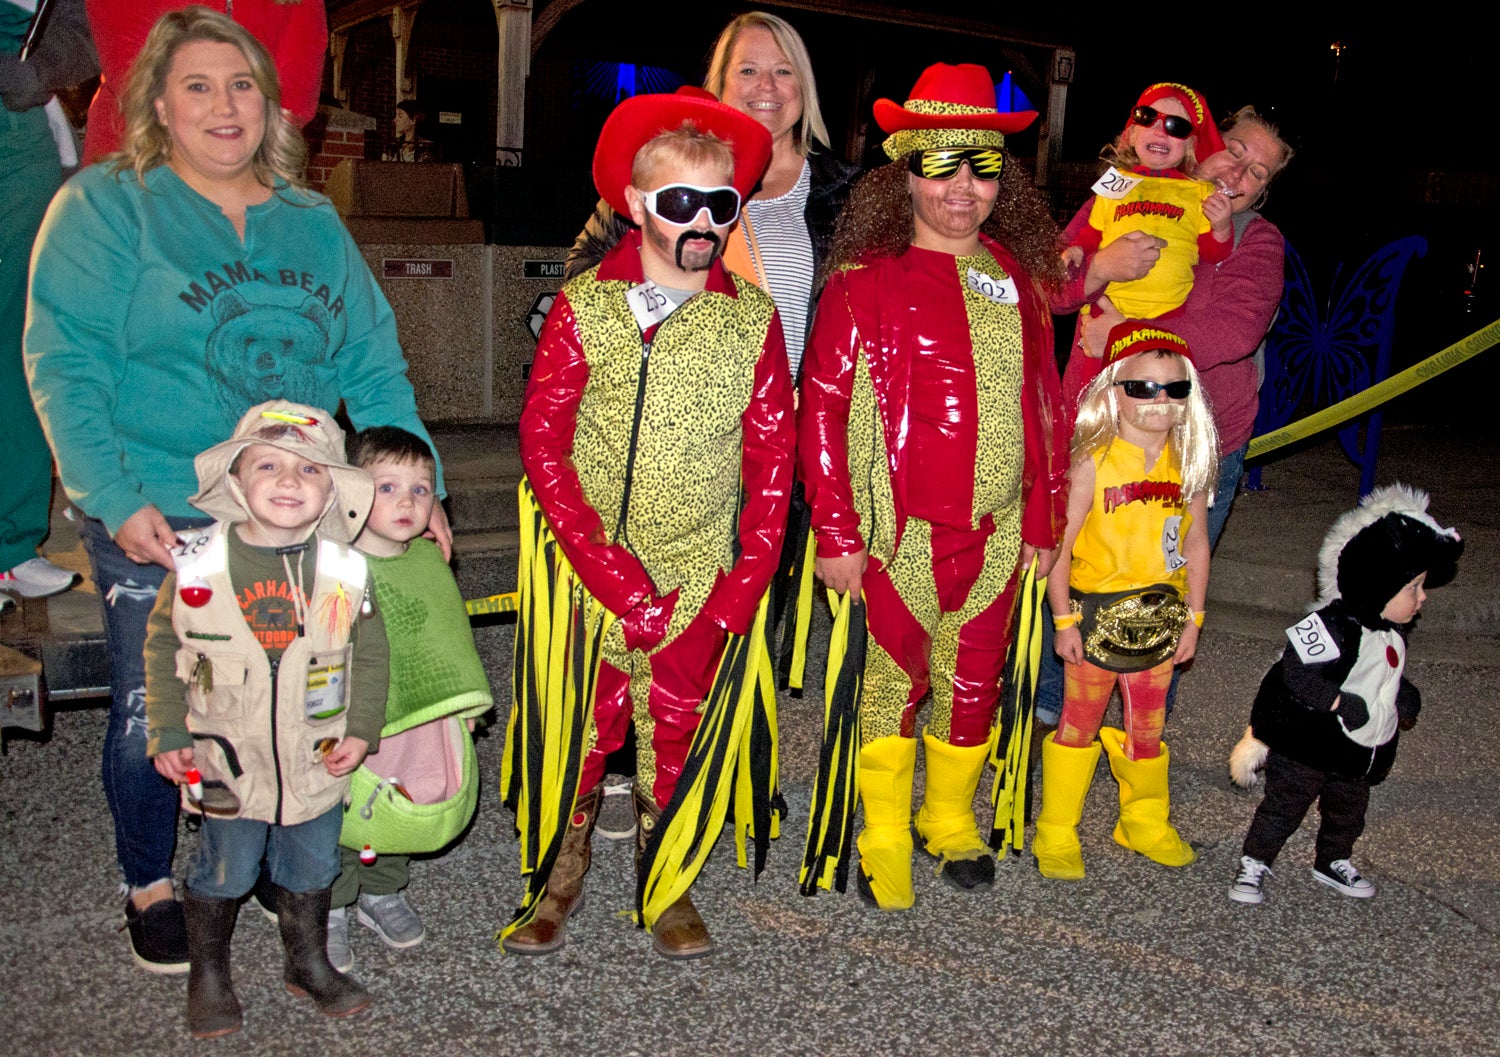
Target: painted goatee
{"type": "Point", "coordinates": [695, 264]}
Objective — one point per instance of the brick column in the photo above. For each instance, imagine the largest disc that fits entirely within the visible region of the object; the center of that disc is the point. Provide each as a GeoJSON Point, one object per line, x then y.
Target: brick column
{"type": "Point", "coordinates": [332, 136]}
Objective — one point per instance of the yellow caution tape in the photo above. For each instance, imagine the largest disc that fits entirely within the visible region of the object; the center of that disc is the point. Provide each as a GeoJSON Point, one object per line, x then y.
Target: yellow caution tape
{"type": "Point", "coordinates": [1371, 398]}
{"type": "Point", "coordinates": [506, 603]}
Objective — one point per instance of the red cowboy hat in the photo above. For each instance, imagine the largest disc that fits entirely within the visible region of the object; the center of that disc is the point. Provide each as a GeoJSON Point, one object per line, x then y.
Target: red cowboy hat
{"type": "Point", "coordinates": [642, 118]}
{"type": "Point", "coordinates": [940, 90]}
{"type": "Point", "coordinates": [1204, 127]}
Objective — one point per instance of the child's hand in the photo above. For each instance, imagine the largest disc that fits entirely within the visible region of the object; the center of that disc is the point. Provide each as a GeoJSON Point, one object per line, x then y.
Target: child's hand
{"type": "Point", "coordinates": [1187, 644]}
{"type": "Point", "coordinates": [346, 756]}
{"type": "Point", "coordinates": [1217, 210]}
{"type": "Point", "coordinates": [844, 574]}
{"type": "Point", "coordinates": [1072, 258]}
{"type": "Point", "coordinates": [1068, 644]}
{"type": "Point", "coordinates": [646, 623]}
{"type": "Point", "coordinates": [173, 765]}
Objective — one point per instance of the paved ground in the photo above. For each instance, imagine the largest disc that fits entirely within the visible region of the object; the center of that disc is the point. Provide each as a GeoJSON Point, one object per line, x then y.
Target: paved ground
{"type": "Point", "coordinates": [1135, 959]}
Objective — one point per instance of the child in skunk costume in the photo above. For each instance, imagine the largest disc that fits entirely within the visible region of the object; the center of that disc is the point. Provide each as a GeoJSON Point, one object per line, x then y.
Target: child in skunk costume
{"type": "Point", "coordinates": [1325, 722]}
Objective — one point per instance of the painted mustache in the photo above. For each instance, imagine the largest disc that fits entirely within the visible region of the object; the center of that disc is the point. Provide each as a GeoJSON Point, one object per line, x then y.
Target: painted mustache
{"type": "Point", "coordinates": [692, 235]}
{"type": "Point", "coordinates": [1171, 412]}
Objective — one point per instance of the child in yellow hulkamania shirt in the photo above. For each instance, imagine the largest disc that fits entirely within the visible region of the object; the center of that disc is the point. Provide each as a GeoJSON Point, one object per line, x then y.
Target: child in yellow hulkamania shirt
{"type": "Point", "coordinates": [1128, 588]}
{"type": "Point", "coordinates": [1150, 188]}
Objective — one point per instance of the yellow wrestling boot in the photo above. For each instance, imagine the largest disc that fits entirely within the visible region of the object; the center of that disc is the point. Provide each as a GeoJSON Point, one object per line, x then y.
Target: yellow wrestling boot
{"type": "Point", "coordinates": [1067, 774]}
{"type": "Point", "coordinates": [946, 820]}
{"type": "Point", "coordinates": [1144, 803]}
{"type": "Point", "coordinates": [885, 845]}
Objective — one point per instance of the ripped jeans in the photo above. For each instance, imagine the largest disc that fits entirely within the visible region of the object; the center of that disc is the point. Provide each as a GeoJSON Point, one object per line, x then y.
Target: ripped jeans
{"type": "Point", "coordinates": [143, 803]}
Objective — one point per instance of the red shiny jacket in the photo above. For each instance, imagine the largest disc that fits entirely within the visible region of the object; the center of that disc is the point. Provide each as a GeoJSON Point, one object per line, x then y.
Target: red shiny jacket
{"type": "Point", "coordinates": [549, 420]}
{"type": "Point", "coordinates": [876, 305]}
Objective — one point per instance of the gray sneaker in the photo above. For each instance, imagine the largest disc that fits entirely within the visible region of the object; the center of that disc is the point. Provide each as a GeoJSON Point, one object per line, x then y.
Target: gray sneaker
{"type": "Point", "coordinates": [616, 819]}
{"type": "Point", "coordinates": [392, 919]}
{"type": "Point", "coordinates": [340, 954]}
{"type": "Point", "coordinates": [1247, 886]}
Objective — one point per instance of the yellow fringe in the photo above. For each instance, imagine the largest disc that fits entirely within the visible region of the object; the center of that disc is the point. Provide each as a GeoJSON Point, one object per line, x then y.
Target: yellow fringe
{"type": "Point", "coordinates": [830, 820]}
{"type": "Point", "coordinates": [1010, 744]}
{"type": "Point", "coordinates": [691, 824]}
{"type": "Point", "coordinates": [558, 639]}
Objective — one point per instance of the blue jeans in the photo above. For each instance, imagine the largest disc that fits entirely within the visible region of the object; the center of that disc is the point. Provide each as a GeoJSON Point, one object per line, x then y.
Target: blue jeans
{"type": "Point", "coordinates": [143, 803]}
{"type": "Point", "coordinates": [1231, 468]}
{"type": "Point", "coordinates": [300, 858]}
{"type": "Point", "coordinates": [1049, 678]}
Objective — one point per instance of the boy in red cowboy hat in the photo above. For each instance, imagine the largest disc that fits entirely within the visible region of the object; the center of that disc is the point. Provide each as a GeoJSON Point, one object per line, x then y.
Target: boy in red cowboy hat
{"type": "Point", "coordinates": [1128, 589]}
{"type": "Point", "coordinates": [1149, 187]}
{"type": "Point", "coordinates": [657, 437]}
{"type": "Point", "coordinates": [930, 445]}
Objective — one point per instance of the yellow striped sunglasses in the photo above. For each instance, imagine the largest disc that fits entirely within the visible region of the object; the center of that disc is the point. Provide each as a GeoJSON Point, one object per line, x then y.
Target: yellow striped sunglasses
{"type": "Point", "coordinates": [942, 163]}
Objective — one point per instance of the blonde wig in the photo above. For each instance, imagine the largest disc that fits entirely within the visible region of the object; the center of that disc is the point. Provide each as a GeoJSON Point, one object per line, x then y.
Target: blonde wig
{"type": "Point", "coordinates": [810, 129]}
{"type": "Point", "coordinates": [1194, 440]}
{"type": "Point", "coordinates": [282, 154]}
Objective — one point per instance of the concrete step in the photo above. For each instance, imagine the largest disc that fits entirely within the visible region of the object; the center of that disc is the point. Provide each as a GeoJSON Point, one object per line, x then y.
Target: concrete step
{"type": "Point", "coordinates": [485, 563]}
{"type": "Point", "coordinates": [481, 468]}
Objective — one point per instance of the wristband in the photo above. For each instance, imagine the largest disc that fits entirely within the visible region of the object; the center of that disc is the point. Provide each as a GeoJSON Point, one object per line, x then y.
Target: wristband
{"type": "Point", "coordinates": [1063, 621]}
{"type": "Point", "coordinates": [1198, 615]}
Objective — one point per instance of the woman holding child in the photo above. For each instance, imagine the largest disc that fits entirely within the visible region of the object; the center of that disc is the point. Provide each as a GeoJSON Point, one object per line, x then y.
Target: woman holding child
{"type": "Point", "coordinates": [174, 285]}
{"type": "Point", "coordinates": [1231, 305]}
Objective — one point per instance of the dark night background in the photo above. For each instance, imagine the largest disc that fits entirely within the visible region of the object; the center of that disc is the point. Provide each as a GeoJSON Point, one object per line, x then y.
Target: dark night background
{"type": "Point", "coordinates": [1386, 135]}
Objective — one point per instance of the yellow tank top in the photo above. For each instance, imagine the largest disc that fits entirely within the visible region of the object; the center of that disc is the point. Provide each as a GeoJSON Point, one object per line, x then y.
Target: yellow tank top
{"type": "Point", "coordinates": [1133, 533]}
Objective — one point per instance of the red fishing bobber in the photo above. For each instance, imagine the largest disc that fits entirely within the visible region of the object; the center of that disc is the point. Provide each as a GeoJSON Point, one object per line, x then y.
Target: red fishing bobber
{"type": "Point", "coordinates": [194, 783]}
{"type": "Point", "coordinates": [367, 855]}
{"type": "Point", "coordinates": [196, 593]}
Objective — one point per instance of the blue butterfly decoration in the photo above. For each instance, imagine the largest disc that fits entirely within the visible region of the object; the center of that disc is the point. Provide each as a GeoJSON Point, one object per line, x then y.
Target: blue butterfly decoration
{"type": "Point", "coordinates": [1317, 355]}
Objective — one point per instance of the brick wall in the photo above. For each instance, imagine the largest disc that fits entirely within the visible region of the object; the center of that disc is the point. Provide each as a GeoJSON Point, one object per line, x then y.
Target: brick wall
{"type": "Point", "coordinates": [332, 136]}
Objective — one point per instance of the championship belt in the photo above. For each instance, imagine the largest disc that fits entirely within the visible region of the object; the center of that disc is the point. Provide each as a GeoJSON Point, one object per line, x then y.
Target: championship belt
{"type": "Point", "coordinates": [1130, 631]}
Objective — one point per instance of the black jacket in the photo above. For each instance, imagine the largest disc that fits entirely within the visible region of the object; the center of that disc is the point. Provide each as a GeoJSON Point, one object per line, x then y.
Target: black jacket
{"type": "Point", "coordinates": [1293, 711]}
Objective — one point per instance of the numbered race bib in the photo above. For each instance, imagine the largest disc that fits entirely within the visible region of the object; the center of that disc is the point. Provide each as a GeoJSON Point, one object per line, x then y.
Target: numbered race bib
{"type": "Point", "coordinates": [998, 291]}
{"type": "Point", "coordinates": [1312, 642]}
{"type": "Point", "coordinates": [1114, 184]}
{"type": "Point", "coordinates": [1171, 543]}
{"type": "Point", "coordinates": [648, 304]}
{"type": "Point", "coordinates": [327, 690]}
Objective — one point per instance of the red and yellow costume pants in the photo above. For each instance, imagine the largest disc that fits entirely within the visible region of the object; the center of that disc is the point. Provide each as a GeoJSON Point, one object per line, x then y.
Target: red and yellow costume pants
{"type": "Point", "coordinates": [1143, 698]}
{"type": "Point", "coordinates": [663, 690]}
{"type": "Point", "coordinates": [939, 617]}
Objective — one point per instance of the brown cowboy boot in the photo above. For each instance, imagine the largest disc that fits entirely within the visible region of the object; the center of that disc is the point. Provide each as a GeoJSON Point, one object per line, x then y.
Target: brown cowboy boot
{"type": "Point", "coordinates": [547, 931]}
{"type": "Point", "coordinates": [680, 932]}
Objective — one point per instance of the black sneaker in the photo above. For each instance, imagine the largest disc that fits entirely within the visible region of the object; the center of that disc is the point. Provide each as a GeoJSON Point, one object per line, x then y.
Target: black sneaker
{"type": "Point", "coordinates": [1342, 877]}
{"type": "Point", "coordinates": [158, 936]}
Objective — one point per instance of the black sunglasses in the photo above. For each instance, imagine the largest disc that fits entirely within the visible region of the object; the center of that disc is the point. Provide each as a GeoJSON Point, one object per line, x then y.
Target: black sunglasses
{"type": "Point", "coordinates": [1171, 124]}
{"type": "Point", "coordinates": [1143, 390]}
{"type": "Point", "coordinates": [681, 203]}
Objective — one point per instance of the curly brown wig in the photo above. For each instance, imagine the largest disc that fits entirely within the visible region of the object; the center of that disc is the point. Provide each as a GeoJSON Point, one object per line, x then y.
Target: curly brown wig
{"type": "Point", "coordinates": [878, 221]}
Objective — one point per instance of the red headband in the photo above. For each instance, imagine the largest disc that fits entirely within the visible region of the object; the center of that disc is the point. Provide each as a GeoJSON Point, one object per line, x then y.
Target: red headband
{"type": "Point", "coordinates": [1204, 126]}
{"type": "Point", "coordinates": [1134, 336]}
